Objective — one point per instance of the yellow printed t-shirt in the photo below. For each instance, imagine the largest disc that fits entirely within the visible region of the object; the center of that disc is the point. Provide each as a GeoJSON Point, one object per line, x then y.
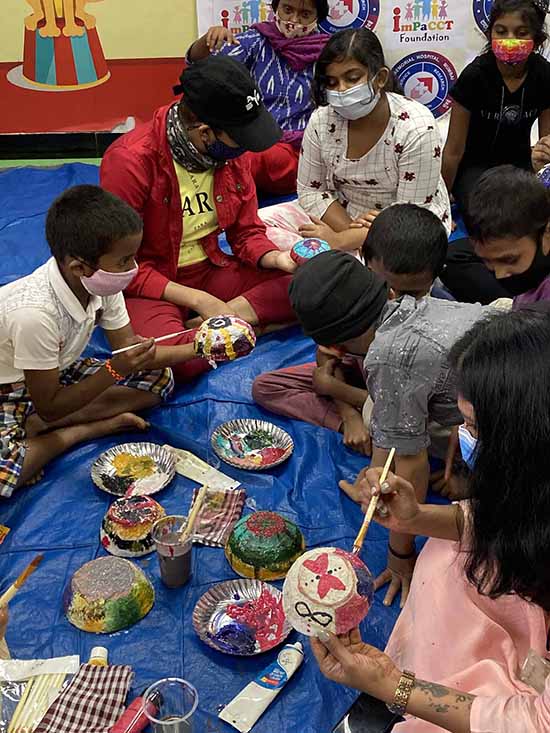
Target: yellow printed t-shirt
{"type": "Point", "coordinates": [200, 217]}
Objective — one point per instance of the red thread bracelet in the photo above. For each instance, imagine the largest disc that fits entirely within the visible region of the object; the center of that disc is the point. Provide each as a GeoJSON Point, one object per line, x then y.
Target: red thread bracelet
{"type": "Point", "coordinates": [113, 372]}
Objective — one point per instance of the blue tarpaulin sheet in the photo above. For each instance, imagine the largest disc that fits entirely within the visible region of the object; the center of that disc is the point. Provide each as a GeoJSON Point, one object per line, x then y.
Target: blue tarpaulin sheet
{"type": "Point", "coordinates": [61, 515]}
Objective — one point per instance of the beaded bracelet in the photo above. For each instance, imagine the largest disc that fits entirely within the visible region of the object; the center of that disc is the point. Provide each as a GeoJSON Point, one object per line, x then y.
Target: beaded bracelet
{"type": "Point", "coordinates": [113, 372]}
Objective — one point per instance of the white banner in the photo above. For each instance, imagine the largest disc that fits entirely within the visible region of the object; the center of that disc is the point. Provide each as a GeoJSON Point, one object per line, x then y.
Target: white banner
{"type": "Point", "coordinates": [427, 42]}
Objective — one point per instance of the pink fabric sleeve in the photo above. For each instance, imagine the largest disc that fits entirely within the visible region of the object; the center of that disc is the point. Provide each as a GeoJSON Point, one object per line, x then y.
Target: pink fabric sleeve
{"type": "Point", "coordinates": [525, 713]}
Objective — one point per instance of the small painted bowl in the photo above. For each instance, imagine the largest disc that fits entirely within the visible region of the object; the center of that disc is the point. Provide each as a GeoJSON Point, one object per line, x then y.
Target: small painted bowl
{"type": "Point", "coordinates": [264, 545]}
{"type": "Point", "coordinates": [306, 249]}
{"type": "Point", "coordinates": [126, 530]}
{"type": "Point", "coordinates": [327, 589]}
{"type": "Point", "coordinates": [107, 595]}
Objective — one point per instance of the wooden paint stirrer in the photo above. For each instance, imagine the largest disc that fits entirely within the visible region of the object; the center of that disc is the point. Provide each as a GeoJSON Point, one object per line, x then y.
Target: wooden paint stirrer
{"type": "Point", "coordinates": [358, 544]}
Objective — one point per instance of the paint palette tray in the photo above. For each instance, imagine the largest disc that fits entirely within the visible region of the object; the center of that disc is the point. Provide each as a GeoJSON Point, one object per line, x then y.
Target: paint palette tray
{"type": "Point", "coordinates": [134, 469]}
{"type": "Point", "coordinates": [253, 445]}
{"type": "Point", "coordinates": [241, 617]}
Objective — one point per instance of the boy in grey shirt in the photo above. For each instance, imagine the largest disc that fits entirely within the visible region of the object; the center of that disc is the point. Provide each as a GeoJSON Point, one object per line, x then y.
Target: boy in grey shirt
{"type": "Point", "coordinates": [344, 307]}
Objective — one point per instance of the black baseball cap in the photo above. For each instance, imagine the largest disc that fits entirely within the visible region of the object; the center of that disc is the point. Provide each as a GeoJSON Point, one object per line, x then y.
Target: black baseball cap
{"type": "Point", "coordinates": [221, 93]}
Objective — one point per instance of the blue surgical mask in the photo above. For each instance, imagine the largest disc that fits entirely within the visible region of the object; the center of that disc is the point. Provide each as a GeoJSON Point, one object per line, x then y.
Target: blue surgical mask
{"type": "Point", "coordinates": [220, 151]}
{"type": "Point", "coordinates": [468, 446]}
{"type": "Point", "coordinates": [354, 103]}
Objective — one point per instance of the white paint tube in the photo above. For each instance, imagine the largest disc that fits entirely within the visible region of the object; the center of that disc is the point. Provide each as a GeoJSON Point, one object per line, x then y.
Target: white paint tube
{"type": "Point", "coordinates": [245, 709]}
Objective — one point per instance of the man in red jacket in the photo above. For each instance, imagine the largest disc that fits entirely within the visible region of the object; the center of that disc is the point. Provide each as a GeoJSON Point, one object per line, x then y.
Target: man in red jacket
{"type": "Point", "coordinates": [184, 175]}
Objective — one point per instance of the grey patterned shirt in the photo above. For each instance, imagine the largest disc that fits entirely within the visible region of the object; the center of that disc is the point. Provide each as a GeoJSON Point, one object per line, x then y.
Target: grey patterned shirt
{"type": "Point", "coordinates": [408, 374]}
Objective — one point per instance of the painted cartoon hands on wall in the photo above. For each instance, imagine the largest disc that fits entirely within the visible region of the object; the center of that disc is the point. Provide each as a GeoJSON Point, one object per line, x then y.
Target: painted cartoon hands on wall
{"type": "Point", "coordinates": [69, 10]}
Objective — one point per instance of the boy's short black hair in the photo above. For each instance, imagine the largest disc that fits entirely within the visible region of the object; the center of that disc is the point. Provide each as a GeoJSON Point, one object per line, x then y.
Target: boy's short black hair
{"type": "Point", "coordinates": [507, 202]}
{"type": "Point", "coordinates": [320, 5]}
{"type": "Point", "coordinates": [85, 221]}
{"type": "Point", "coordinates": [408, 239]}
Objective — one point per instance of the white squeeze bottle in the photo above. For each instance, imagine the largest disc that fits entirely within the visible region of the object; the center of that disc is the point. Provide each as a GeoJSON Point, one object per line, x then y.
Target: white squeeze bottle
{"type": "Point", "coordinates": [245, 709]}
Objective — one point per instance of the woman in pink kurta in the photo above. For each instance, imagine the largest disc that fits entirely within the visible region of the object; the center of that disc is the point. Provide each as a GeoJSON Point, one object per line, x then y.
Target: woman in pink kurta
{"type": "Point", "coordinates": [480, 596]}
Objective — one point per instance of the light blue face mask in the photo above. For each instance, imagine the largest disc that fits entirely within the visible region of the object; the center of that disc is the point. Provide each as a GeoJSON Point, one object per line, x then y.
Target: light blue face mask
{"type": "Point", "coordinates": [468, 446]}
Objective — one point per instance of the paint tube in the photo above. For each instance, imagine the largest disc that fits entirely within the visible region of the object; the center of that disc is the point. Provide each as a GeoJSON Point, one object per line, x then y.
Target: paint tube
{"type": "Point", "coordinates": [245, 709]}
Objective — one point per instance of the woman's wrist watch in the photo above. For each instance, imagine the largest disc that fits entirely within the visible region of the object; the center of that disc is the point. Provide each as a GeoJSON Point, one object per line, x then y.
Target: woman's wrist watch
{"type": "Point", "coordinates": [402, 693]}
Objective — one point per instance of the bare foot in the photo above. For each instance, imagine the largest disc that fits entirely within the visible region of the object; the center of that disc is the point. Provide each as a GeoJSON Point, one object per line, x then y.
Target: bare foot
{"type": "Point", "coordinates": [72, 29]}
{"type": "Point", "coordinates": [35, 425]}
{"type": "Point", "coordinates": [50, 30]}
{"type": "Point", "coordinates": [352, 490]}
{"type": "Point", "coordinates": [32, 21]}
{"type": "Point", "coordinates": [89, 20]}
{"type": "Point", "coordinates": [125, 421]}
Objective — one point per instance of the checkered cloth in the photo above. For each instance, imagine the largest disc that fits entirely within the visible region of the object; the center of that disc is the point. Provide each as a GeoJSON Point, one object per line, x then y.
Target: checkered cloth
{"type": "Point", "coordinates": [91, 703]}
{"type": "Point", "coordinates": [16, 406]}
{"type": "Point", "coordinates": [218, 515]}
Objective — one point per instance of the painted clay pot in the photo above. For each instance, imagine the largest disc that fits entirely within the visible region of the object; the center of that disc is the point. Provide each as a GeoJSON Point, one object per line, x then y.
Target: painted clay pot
{"type": "Point", "coordinates": [126, 530]}
{"type": "Point", "coordinates": [264, 545]}
{"type": "Point", "coordinates": [224, 338]}
{"type": "Point", "coordinates": [106, 595]}
{"type": "Point", "coordinates": [327, 589]}
{"type": "Point", "coordinates": [306, 249]}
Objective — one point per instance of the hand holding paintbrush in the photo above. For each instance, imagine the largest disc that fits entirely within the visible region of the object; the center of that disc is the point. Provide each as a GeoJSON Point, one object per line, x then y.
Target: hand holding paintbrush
{"type": "Point", "coordinates": [12, 590]}
{"type": "Point", "coordinates": [358, 544]}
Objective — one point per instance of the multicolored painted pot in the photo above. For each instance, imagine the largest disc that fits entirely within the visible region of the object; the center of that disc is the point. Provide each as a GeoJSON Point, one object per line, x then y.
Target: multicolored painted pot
{"type": "Point", "coordinates": [306, 249]}
{"type": "Point", "coordinates": [106, 595]}
{"type": "Point", "coordinates": [127, 526]}
{"type": "Point", "coordinates": [224, 338]}
{"type": "Point", "coordinates": [327, 589]}
{"type": "Point", "coordinates": [264, 545]}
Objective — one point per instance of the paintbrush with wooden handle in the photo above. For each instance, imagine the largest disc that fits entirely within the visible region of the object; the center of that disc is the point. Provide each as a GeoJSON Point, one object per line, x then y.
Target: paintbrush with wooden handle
{"type": "Point", "coordinates": [358, 544]}
{"type": "Point", "coordinates": [6, 597]}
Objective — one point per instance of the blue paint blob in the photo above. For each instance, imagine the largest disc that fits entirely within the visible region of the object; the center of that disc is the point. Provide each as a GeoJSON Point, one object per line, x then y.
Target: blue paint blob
{"type": "Point", "coordinates": [365, 585]}
{"type": "Point", "coordinates": [235, 638]}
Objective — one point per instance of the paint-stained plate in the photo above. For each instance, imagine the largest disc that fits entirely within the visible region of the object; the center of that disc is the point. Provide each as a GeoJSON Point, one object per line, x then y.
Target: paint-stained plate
{"type": "Point", "coordinates": [253, 445]}
{"type": "Point", "coordinates": [241, 617]}
{"type": "Point", "coordinates": [154, 468]}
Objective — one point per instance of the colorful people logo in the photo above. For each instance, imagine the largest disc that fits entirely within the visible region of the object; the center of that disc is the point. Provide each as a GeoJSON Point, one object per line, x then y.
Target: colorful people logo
{"type": "Point", "coordinates": [62, 50]}
{"type": "Point", "coordinates": [240, 16]}
{"type": "Point", "coordinates": [422, 15]}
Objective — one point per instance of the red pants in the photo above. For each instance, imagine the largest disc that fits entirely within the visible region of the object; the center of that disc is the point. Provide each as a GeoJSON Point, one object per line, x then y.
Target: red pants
{"type": "Point", "coordinates": [265, 290]}
{"type": "Point", "coordinates": [275, 170]}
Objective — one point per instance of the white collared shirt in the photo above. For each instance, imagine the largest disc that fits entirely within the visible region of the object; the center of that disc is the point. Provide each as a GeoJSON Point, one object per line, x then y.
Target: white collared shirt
{"type": "Point", "coordinates": [43, 325]}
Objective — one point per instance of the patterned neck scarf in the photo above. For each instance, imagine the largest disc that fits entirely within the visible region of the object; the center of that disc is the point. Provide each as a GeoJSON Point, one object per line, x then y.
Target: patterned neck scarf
{"type": "Point", "coordinates": [182, 149]}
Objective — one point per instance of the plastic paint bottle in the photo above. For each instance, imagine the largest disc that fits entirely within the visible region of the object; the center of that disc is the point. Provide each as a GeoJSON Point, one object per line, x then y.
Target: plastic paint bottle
{"type": "Point", "coordinates": [99, 657]}
{"type": "Point", "coordinates": [134, 719]}
{"type": "Point", "coordinates": [245, 709]}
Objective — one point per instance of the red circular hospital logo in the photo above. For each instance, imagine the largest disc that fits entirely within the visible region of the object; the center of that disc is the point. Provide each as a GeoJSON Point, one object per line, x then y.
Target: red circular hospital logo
{"type": "Point", "coordinates": [343, 14]}
{"type": "Point", "coordinates": [427, 77]}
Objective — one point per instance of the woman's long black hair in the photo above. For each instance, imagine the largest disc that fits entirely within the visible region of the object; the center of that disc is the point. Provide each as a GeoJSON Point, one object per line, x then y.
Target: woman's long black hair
{"type": "Point", "coordinates": [360, 44]}
{"type": "Point", "coordinates": [533, 14]}
{"type": "Point", "coordinates": [503, 367]}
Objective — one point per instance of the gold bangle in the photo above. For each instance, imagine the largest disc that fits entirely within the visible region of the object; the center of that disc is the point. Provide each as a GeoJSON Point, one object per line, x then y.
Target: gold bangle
{"type": "Point", "coordinates": [113, 372]}
{"type": "Point", "coordinates": [403, 693]}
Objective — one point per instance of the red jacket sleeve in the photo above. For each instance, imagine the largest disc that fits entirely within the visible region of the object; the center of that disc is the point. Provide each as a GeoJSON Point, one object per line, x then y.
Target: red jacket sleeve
{"type": "Point", "coordinates": [247, 236]}
{"type": "Point", "coordinates": [127, 175]}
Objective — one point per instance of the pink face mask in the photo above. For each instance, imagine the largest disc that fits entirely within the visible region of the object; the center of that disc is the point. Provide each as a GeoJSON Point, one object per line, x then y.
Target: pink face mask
{"type": "Point", "coordinates": [294, 30]}
{"type": "Point", "coordinates": [104, 283]}
{"type": "Point", "coordinates": [512, 51]}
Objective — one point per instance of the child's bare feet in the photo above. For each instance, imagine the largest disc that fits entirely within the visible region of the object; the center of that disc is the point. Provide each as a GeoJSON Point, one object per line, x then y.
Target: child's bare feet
{"type": "Point", "coordinates": [125, 421]}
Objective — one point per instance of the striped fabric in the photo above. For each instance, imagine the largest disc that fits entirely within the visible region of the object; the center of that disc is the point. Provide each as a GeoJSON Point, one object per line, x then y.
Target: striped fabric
{"type": "Point", "coordinates": [218, 515]}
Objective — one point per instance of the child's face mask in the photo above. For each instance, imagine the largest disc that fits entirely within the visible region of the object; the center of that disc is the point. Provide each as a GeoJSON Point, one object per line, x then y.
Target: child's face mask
{"type": "Point", "coordinates": [354, 103]}
{"type": "Point", "coordinates": [512, 51]}
{"type": "Point", "coordinates": [105, 283]}
{"type": "Point", "coordinates": [468, 446]}
{"type": "Point", "coordinates": [294, 30]}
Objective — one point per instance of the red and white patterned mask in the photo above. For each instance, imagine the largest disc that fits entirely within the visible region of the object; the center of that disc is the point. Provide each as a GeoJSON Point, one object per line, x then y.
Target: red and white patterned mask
{"type": "Point", "coordinates": [294, 30]}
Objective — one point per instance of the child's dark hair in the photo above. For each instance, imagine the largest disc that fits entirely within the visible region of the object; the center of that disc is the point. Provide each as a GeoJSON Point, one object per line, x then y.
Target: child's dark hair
{"type": "Point", "coordinates": [408, 239]}
{"type": "Point", "coordinates": [507, 202]}
{"type": "Point", "coordinates": [533, 13]}
{"type": "Point", "coordinates": [85, 221]}
{"type": "Point", "coordinates": [360, 44]}
{"type": "Point", "coordinates": [320, 5]}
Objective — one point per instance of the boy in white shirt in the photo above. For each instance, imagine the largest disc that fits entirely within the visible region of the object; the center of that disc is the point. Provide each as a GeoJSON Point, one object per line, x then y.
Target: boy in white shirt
{"type": "Point", "coordinates": [51, 398]}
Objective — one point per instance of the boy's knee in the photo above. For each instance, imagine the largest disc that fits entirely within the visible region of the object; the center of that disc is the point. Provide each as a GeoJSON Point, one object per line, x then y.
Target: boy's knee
{"type": "Point", "coordinates": [265, 388]}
